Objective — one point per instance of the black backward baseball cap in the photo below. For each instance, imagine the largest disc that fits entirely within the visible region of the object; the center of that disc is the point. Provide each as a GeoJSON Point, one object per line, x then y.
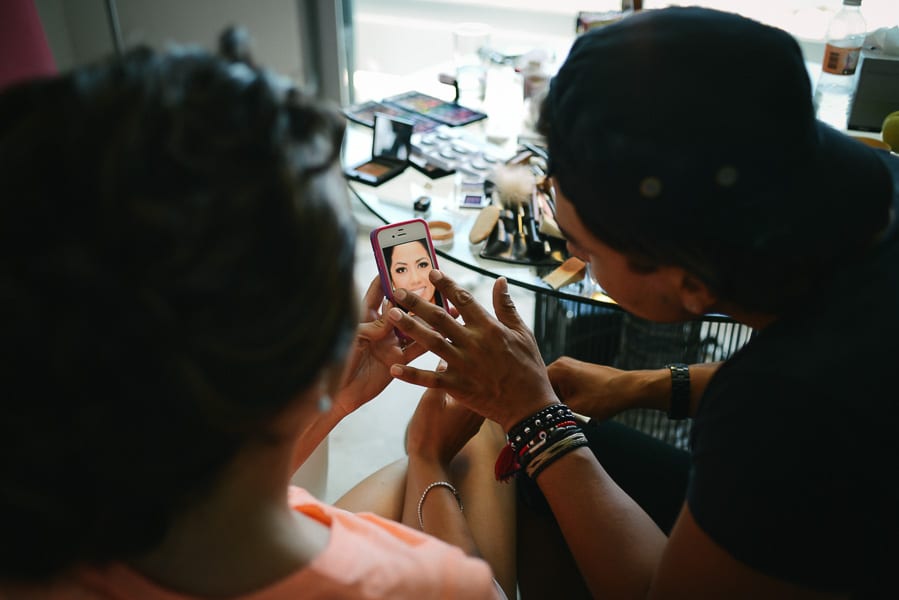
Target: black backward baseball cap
{"type": "Point", "coordinates": [694, 117]}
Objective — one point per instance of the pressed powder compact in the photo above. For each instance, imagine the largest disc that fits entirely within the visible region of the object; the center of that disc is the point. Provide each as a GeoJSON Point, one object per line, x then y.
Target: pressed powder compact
{"type": "Point", "coordinates": [390, 150]}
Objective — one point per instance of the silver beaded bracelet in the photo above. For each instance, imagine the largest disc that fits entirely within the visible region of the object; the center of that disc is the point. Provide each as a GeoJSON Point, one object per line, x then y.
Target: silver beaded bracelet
{"type": "Point", "coordinates": [424, 495]}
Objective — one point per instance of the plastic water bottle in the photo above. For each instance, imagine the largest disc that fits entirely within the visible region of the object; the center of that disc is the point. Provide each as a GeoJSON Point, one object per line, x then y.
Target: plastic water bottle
{"type": "Point", "coordinates": [534, 77]}
{"type": "Point", "coordinates": [535, 80]}
{"type": "Point", "coordinates": [842, 53]}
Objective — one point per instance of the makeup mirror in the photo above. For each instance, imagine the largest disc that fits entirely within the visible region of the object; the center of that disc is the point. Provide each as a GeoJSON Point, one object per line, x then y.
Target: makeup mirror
{"type": "Point", "coordinates": [390, 150]}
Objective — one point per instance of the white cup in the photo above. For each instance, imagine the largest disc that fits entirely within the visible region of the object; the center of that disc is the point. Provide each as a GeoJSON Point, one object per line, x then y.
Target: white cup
{"type": "Point", "coordinates": [471, 67]}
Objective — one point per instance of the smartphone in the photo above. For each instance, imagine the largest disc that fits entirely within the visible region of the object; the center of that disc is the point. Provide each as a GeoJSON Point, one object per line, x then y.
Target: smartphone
{"type": "Point", "coordinates": [405, 256]}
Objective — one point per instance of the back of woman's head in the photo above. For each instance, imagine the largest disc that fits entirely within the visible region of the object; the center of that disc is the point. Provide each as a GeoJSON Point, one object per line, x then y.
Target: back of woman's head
{"type": "Point", "coordinates": [176, 268]}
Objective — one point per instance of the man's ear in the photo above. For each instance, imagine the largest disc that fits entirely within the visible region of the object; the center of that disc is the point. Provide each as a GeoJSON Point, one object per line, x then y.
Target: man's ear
{"type": "Point", "coordinates": [695, 296]}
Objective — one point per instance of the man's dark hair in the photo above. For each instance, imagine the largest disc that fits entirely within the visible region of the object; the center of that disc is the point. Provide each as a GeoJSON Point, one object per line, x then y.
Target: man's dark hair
{"type": "Point", "coordinates": [687, 136]}
{"type": "Point", "coordinates": [176, 264]}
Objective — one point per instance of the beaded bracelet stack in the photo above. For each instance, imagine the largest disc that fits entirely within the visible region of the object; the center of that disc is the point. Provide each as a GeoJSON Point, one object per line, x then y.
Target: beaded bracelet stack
{"type": "Point", "coordinates": [538, 441]}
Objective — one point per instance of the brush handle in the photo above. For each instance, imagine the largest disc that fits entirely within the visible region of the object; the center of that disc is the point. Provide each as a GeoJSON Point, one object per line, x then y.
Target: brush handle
{"type": "Point", "coordinates": [534, 243]}
{"type": "Point", "coordinates": [519, 243]}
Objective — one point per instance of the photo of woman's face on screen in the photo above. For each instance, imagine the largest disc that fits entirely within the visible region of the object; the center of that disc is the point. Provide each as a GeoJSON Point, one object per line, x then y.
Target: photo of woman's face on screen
{"type": "Point", "coordinates": [409, 265]}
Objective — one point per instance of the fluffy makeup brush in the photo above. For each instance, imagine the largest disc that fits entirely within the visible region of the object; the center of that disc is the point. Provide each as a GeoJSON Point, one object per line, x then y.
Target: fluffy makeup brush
{"type": "Point", "coordinates": [514, 186]}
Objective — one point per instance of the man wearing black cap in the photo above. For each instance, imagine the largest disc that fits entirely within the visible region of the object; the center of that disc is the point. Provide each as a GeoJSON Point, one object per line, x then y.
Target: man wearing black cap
{"type": "Point", "coordinates": [691, 173]}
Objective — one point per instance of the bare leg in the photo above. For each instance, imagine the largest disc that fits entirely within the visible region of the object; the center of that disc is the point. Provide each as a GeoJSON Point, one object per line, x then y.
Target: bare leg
{"type": "Point", "coordinates": [489, 505]}
{"type": "Point", "coordinates": [381, 493]}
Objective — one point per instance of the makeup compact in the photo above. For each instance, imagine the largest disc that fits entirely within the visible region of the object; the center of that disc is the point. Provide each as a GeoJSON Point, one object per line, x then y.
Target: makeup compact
{"type": "Point", "coordinates": [390, 150]}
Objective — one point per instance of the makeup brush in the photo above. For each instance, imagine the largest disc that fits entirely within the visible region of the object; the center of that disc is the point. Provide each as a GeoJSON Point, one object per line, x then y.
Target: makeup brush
{"type": "Point", "coordinates": [515, 186]}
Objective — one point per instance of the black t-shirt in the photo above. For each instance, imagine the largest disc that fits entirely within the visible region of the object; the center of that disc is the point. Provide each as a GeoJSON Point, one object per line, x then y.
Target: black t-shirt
{"type": "Point", "coordinates": [795, 443]}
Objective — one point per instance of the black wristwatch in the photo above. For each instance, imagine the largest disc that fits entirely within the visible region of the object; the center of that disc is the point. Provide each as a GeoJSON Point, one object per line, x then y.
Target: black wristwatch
{"type": "Point", "coordinates": [680, 391]}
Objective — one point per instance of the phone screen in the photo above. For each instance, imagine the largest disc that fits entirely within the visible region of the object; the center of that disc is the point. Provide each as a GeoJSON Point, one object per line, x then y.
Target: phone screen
{"type": "Point", "coordinates": [408, 265]}
{"type": "Point", "coordinates": [405, 257]}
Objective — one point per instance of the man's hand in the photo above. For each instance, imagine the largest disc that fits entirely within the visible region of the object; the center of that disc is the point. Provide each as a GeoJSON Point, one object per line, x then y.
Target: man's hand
{"type": "Point", "coordinates": [493, 364]}
{"type": "Point", "coordinates": [590, 389]}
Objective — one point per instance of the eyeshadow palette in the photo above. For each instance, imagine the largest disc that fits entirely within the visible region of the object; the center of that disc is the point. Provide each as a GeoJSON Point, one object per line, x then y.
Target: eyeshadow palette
{"type": "Point", "coordinates": [425, 112]}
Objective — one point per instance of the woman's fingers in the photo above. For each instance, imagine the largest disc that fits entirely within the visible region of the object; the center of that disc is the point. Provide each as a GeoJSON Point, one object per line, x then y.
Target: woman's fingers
{"type": "Point", "coordinates": [373, 298]}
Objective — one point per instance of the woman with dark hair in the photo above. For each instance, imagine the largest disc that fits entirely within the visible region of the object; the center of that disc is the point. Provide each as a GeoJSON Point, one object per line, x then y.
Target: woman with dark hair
{"type": "Point", "coordinates": [174, 348]}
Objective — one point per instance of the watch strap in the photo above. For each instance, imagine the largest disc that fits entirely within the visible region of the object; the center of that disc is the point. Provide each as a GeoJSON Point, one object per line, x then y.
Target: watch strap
{"type": "Point", "coordinates": [680, 391]}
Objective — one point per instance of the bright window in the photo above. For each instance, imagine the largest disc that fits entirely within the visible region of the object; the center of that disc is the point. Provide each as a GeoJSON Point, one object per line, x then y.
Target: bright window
{"type": "Point", "coordinates": [395, 38]}
{"type": "Point", "coordinates": [806, 19]}
{"type": "Point", "coordinates": [803, 18]}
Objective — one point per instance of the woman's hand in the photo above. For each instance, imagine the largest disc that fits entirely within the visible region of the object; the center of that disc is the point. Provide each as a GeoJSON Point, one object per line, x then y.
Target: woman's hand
{"type": "Point", "coordinates": [374, 350]}
{"type": "Point", "coordinates": [493, 364]}
{"type": "Point", "coordinates": [440, 427]}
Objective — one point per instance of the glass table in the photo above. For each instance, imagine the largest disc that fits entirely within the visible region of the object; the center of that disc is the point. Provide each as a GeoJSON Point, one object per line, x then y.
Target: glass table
{"type": "Point", "coordinates": [393, 201]}
{"type": "Point", "coordinates": [577, 320]}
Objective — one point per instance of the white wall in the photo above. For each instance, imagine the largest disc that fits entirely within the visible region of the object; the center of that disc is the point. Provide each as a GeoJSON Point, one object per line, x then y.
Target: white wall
{"type": "Point", "coordinates": [78, 30]}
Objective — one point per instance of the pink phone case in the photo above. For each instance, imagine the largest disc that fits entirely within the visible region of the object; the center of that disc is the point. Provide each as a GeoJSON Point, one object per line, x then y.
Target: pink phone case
{"type": "Point", "coordinates": [383, 271]}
